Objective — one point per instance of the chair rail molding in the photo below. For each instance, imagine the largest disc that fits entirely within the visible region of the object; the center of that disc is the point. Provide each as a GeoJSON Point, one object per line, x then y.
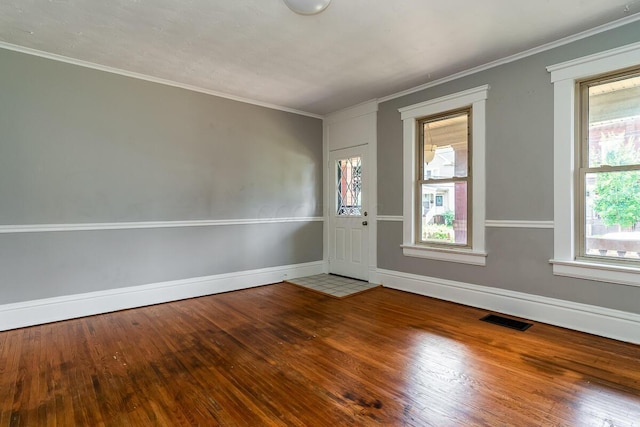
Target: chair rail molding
{"type": "Point", "coordinates": [39, 228]}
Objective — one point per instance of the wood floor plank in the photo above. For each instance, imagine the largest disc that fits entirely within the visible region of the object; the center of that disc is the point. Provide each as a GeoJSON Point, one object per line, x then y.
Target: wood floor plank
{"type": "Point", "coordinates": [11, 354]}
{"type": "Point", "coordinates": [281, 355]}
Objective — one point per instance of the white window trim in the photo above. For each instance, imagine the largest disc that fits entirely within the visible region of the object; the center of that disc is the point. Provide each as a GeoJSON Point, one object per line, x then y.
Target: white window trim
{"type": "Point", "coordinates": [476, 98]}
{"type": "Point", "coordinates": [564, 77]}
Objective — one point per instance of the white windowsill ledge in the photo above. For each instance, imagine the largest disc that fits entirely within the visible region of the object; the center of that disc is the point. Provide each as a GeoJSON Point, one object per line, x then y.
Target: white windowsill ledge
{"type": "Point", "coordinates": [629, 276]}
{"type": "Point", "coordinates": [463, 256]}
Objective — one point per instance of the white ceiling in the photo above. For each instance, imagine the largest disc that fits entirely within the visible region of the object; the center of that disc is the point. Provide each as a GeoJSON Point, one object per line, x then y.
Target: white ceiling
{"type": "Point", "coordinates": [355, 51]}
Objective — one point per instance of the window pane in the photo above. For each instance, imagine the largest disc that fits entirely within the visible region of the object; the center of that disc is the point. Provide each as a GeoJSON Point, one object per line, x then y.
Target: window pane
{"type": "Point", "coordinates": [445, 147]}
{"type": "Point", "coordinates": [612, 210]}
{"type": "Point", "coordinates": [444, 213]}
{"type": "Point", "coordinates": [614, 123]}
{"type": "Point", "coordinates": [349, 186]}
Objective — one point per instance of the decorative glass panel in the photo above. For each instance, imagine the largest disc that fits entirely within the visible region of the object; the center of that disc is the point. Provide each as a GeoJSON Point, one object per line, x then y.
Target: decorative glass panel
{"type": "Point", "coordinates": [349, 186]}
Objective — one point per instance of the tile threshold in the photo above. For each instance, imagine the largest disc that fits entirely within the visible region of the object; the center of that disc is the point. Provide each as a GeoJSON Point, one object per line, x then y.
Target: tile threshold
{"type": "Point", "coordinates": [338, 287]}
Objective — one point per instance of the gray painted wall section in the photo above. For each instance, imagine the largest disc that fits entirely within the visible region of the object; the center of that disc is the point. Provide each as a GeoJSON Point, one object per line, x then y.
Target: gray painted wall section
{"type": "Point", "coordinates": [518, 261]}
{"type": "Point", "coordinates": [519, 179]}
{"type": "Point", "coordinates": [80, 145]}
{"type": "Point", "coordinates": [42, 265]}
{"type": "Point", "coordinates": [85, 146]}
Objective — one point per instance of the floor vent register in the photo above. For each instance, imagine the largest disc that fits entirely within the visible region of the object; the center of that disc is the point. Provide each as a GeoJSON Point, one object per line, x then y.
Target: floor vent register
{"type": "Point", "coordinates": [506, 322]}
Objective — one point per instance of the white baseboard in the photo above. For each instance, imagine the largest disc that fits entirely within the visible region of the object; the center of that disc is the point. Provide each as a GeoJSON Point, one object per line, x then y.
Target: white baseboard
{"type": "Point", "coordinates": [29, 313]}
{"type": "Point", "coordinates": [374, 277]}
{"type": "Point", "coordinates": [619, 325]}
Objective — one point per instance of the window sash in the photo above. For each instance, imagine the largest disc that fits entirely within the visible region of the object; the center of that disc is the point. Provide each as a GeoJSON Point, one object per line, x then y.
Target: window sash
{"type": "Point", "coordinates": [418, 238]}
{"type": "Point", "coordinates": [582, 220]}
{"type": "Point", "coordinates": [431, 181]}
{"type": "Point", "coordinates": [435, 118]}
{"type": "Point", "coordinates": [583, 168]}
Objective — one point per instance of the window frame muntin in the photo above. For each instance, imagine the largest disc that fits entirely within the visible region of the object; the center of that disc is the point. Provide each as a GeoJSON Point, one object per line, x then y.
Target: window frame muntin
{"type": "Point", "coordinates": [419, 121]}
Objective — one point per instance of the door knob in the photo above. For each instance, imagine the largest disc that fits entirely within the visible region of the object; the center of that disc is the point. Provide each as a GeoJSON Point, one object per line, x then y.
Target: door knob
{"type": "Point", "coordinates": [364, 223]}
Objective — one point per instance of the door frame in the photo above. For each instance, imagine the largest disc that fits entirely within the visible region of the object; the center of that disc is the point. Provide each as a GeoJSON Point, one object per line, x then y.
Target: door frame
{"type": "Point", "coordinates": [361, 271]}
{"type": "Point", "coordinates": [351, 127]}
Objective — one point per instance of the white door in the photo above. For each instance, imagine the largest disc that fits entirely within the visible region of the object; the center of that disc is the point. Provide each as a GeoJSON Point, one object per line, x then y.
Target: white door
{"type": "Point", "coordinates": [348, 218]}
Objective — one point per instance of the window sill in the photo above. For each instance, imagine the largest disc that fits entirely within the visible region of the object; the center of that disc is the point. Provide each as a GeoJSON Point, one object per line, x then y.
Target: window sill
{"type": "Point", "coordinates": [622, 275]}
{"type": "Point", "coordinates": [464, 256]}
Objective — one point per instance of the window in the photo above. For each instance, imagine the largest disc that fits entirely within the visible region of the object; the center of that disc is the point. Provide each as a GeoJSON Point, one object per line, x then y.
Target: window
{"type": "Point", "coordinates": [595, 164]}
{"type": "Point", "coordinates": [443, 174]}
{"type": "Point", "coordinates": [442, 180]}
{"type": "Point", "coordinates": [609, 172]}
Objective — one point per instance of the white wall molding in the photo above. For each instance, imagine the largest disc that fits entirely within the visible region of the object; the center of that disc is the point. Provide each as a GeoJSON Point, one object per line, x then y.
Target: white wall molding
{"type": "Point", "coordinates": [373, 275]}
{"type": "Point", "coordinates": [326, 190]}
{"type": "Point", "coordinates": [29, 313]}
{"type": "Point", "coordinates": [600, 272]}
{"type": "Point", "coordinates": [601, 62]}
{"type": "Point", "coordinates": [616, 324]}
{"type": "Point", "coordinates": [475, 98]}
{"type": "Point", "coordinates": [345, 129]}
{"type": "Point", "coordinates": [498, 223]}
{"type": "Point", "coordinates": [565, 76]}
{"type": "Point", "coordinates": [352, 112]}
{"type": "Point", "coordinates": [444, 103]}
{"type": "Point", "coordinates": [391, 218]}
{"type": "Point", "coordinates": [39, 228]}
{"type": "Point", "coordinates": [372, 172]}
{"type": "Point", "coordinates": [140, 76]}
{"type": "Point", "coordinates": [516, 57]}
{"type": "Point", "coordinates": [463, 256]}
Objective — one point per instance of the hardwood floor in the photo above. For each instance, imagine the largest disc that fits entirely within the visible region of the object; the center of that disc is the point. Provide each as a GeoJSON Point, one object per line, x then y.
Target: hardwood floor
{"type": "Point", "coordinates": [284, 356]}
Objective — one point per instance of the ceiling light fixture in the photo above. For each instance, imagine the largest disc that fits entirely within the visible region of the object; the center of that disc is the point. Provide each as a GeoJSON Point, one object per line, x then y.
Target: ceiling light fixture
{"type": "Point", "coordinates": [429, 153]}
{"type": "Point", "coordinates": [307, 7]}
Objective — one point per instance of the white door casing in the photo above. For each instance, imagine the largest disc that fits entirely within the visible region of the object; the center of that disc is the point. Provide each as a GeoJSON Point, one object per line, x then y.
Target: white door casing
{"type": "Point", "coordinates": [348, 214]}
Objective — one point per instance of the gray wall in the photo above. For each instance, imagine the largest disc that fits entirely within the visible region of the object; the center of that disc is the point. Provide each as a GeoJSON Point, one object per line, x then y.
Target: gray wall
{"type": "Point", "coordinates": [85, 146]}
{"type": "Point", "coordinates": [519, 179]}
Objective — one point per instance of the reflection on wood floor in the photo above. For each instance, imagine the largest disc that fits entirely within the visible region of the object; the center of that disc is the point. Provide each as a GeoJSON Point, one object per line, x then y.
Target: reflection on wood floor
{"type": "Point", "coordinates": [285, 356]}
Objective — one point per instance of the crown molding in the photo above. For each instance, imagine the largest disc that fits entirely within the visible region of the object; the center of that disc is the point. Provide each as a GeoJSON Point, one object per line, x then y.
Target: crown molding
{"type": "Point", "coordinates": [512, 58]}
{"type": "Point", "coordinates": [145, 77]}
